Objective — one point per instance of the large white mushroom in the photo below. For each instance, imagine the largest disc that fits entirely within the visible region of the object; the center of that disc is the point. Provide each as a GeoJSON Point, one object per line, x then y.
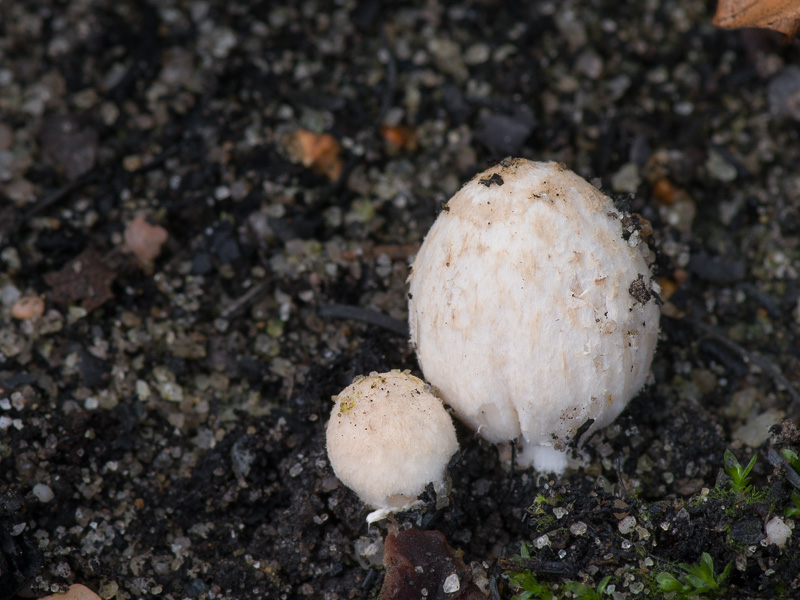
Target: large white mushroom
{"type": "Point", "coordinates": [388, 438]}
{"type": "Point", "coordinates": [531, 308]}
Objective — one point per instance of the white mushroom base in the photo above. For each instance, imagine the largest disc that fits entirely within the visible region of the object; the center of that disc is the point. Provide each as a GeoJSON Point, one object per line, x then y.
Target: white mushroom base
{"type": "Point", "coordinates": [544, 459]}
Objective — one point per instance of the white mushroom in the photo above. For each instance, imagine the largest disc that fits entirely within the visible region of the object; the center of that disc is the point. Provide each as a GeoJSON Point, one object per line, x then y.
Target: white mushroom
{"type": "Point", "coordinates": [388, 438]}
{"type": "Point", "coordinates": [529, 309]}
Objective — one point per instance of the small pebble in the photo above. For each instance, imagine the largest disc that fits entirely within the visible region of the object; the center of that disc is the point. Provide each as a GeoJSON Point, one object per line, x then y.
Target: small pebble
{"type": "Point", "coordinates": [20, 191]}
{"type": "Point", "coordinates": [477, 54]}
{"type": "Point", "coordinates": [589, 63]}
{"type": "Point", "coordinates": [783, 93]}
{"type": "Point", "coordinates": [28, 307]}
{"type": "Point", "coordinates": [43, 493]}
{"type": "Point", "coordinates": [719, 168]}
{"type": "Point", "coordinates": [541, 541]}
{"type": "Point", "coordinates": [627, 179]}
{"type": "Point", "coordinates": [578, 528]}
{"type": "Point", "coordinates": [627, 525]}
{"type": "Point", "coordinates": [132, 162]}
{"type": "Point", "coordinates": [777, 531]}
{"type": "Point", "coordinates": [9, 294]}
{"type": "Point", "coordinates": [756, 431]}
{"type": "Point", "coordinates": [451, 584]}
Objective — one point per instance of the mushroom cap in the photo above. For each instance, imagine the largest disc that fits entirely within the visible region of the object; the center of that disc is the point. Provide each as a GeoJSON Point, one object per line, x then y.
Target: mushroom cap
{"type": "Point", "coordinates": [528, 309]}
{"type": "Point", "coordinates": [388, 437]}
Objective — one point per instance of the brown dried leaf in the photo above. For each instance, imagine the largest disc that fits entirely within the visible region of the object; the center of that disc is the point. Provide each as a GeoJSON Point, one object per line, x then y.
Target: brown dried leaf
{"type": "Point", "coordinates": [400, 137]}
{"type": "Point", "coordinates": [320, 153]}
{"type": "Point", "coordinates": [778, 15]}
{"type": "Point", "coordinates": [86, 278]}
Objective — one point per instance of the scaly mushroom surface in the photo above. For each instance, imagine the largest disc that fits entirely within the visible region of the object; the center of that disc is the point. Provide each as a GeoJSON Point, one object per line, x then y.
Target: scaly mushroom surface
{"type": "Point", "coordinates": [532, 309]}
{"type": "Point", "coordinates": [388, 438]}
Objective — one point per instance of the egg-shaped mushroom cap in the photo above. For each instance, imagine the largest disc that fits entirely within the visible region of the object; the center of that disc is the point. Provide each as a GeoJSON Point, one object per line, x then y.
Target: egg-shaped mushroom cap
{"type": "Point", "coordinates": [531, 307]}
{"type": "Point", "coordinates": [388, 437]}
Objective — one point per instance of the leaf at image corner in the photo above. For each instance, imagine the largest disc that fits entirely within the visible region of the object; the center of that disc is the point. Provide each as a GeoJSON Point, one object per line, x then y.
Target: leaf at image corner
{"type": "Point", "coordinates": [779, 15]}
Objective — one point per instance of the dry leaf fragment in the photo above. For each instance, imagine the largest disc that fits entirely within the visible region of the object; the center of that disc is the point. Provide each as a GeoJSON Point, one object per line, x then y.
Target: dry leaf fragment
{"type": "Point", "coordinates": [320, 153]}
{"type": "Point", "coordinates": [400, 137]}
{"type": "Point", "coordinates": [144, 240]}
{"type": "Point", "coordinates": [779, 15]}
{"type": "Point", "coordinates": [87, 277]}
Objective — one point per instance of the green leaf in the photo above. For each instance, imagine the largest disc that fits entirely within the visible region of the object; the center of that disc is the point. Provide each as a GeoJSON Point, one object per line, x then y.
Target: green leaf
{"type": "Point", "coordinates": [794, 511]}
{"type": "Point", "coordinates": [707, 563]}
{"type": "Point", "coordinates": [667, 582]}
{"type": "Point", "coordinates": [580, 590]}
{"type": "Point", "coordinates": [750, 465]}
{"type": "Point", "coordinates": [724, 575]}
{"type": "Point", "coordinates": [601, 587]}
{"type": "Point", "coordinates": [523, 550]}
{"type": "Point", "coordinates": [699, 583]}
{"type": "Point", "coordinates": [793, 459]}
{"type": "Point", "coordinates": [739, 476]}
{"type": "Point", "coordinates": [731, 463]}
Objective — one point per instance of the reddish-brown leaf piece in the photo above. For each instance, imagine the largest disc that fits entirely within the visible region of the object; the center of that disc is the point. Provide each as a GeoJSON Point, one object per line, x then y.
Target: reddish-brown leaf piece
{"type": "Point", "coordinates": [778, 15]}
{"type": "Point", "coordinates": [420, 564]}
{"type": "Point", "coordinates": [87, 277]}
{"type": "Point", "coordinates": [400, 137]}
{"type": "Point", "coordinates": [320, 153]}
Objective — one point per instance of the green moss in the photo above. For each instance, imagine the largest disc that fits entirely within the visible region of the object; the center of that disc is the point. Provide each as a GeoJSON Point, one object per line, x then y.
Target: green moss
{"type": "Point", "coordinates": [347, 404]}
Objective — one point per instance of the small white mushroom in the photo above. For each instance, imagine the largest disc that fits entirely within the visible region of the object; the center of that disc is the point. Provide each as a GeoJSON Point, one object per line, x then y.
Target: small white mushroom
{"type": "Point", "coordinates": [529, 309]}
{"type": "Point", "coordinates": [388, 438]}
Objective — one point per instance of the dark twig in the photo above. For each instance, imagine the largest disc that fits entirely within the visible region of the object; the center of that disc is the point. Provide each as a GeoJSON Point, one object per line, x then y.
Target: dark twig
{"type": "Point", "coordinates": [9, 222]}
{"type": "Point", "coordinates": [539, 567]}
{"type": "Point", "coordinates": [749, 356]}
{"type": "Point", "coordinates": [60, 194]}
{"type": "Point", "coordinates": [391, 77]}
{"type": "Point", "coordinates": [776, 460]}
{"type": "Point", "coordinates": [252, 295]}
{"type": "Point", "coordinates": [363, 315]}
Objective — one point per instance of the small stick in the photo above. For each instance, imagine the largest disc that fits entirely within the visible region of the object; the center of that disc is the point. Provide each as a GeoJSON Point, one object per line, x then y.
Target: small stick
{"type": "Point", "coordinates": [750, 357]}
{"type": "Point", "coordinates": [363, 315]}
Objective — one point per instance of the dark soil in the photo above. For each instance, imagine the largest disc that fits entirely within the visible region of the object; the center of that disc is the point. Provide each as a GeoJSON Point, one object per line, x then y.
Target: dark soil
{"type": "Point", "coordinates": [162, 426]}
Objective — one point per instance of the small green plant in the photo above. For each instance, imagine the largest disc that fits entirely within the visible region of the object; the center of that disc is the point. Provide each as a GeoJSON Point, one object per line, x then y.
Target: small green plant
{"type": "Point", "coordinates": [792, 458]}
{"type": "Point", "coordinates": [696, 580]}
{"type": "Point", "coordinates": [581, 591]}
{"type": "Point", "coordinates": [794, 461]}
{"type": "Point", "coordinates": [740, 476]}
{"type": "Point", "coordinates": [525, 581]}
{"type": "Point", "coordinates": [794, 511]}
